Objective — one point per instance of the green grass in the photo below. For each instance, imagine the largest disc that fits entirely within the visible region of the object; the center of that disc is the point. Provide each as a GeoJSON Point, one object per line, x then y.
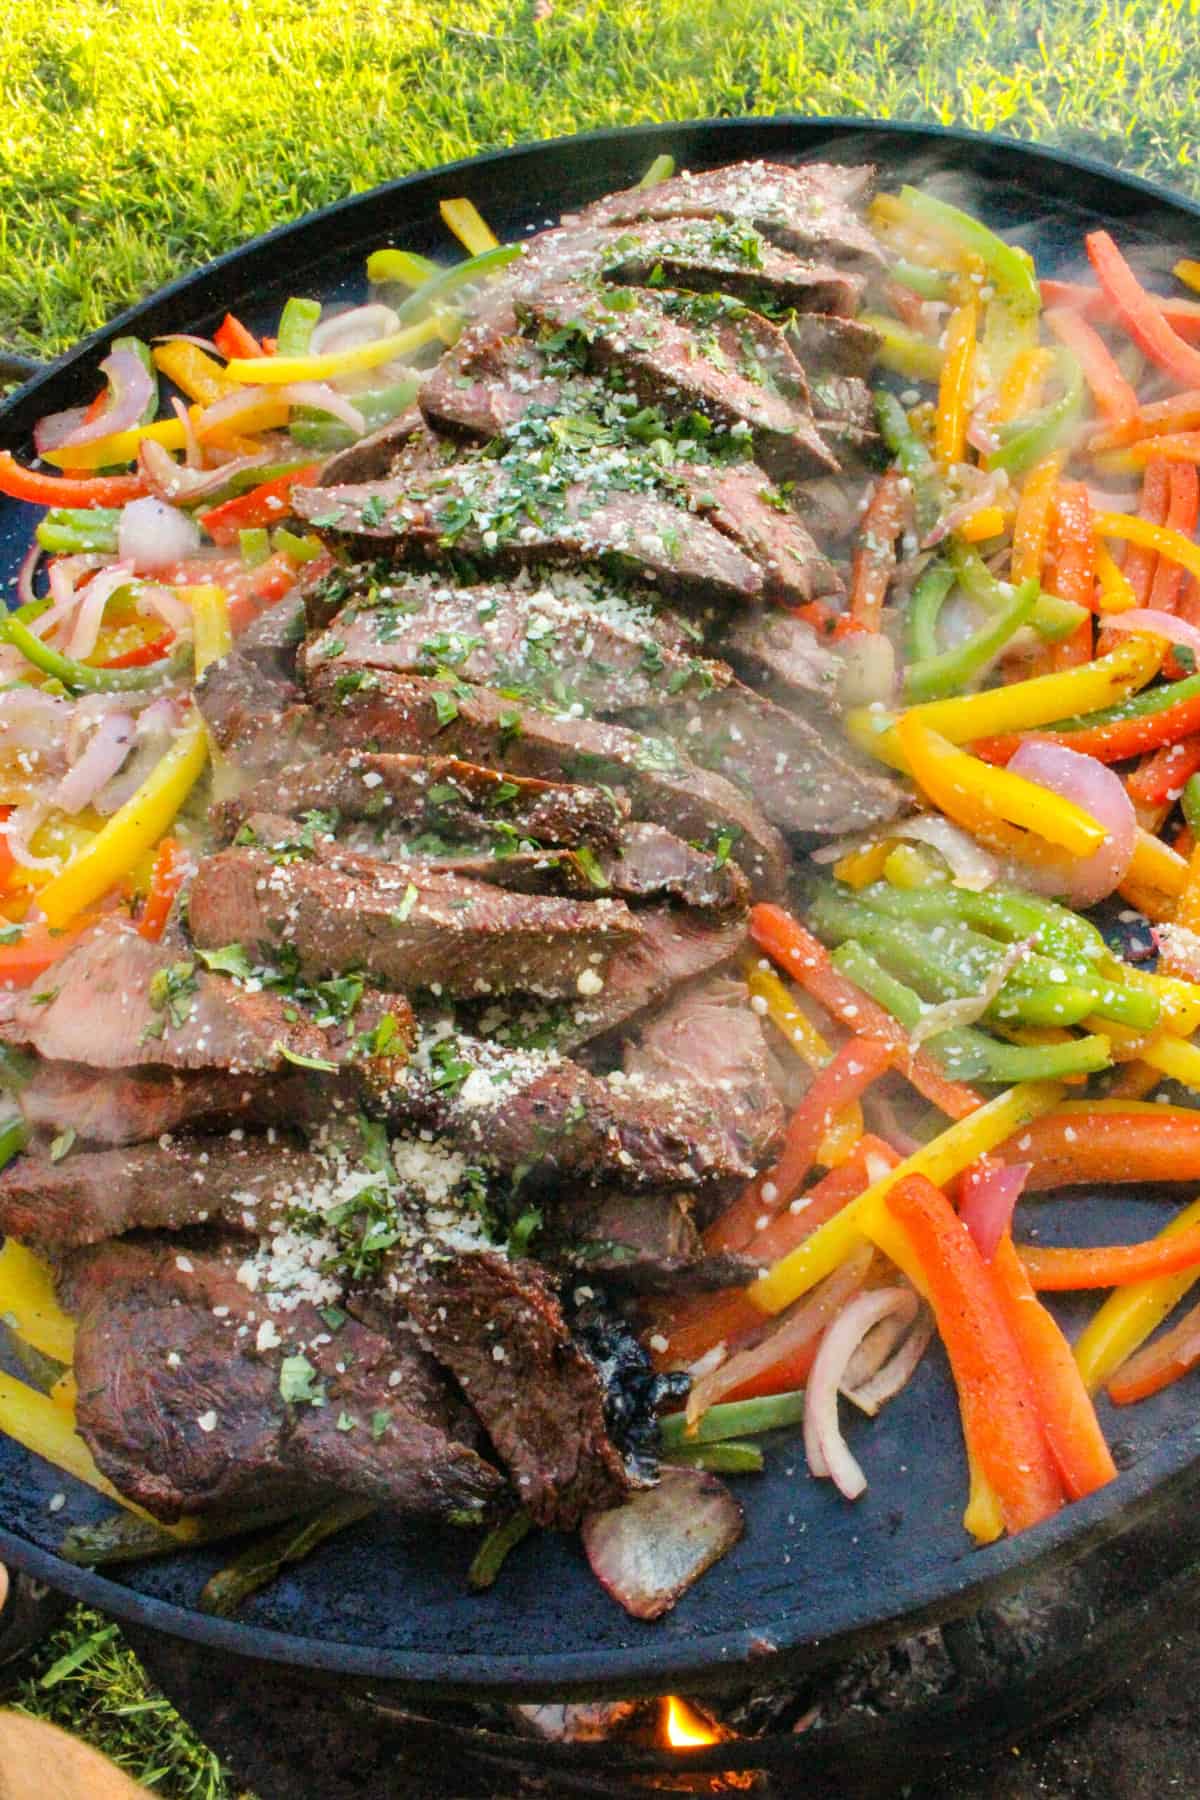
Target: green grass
{"type": "Point", "coordinates": [140, 137]}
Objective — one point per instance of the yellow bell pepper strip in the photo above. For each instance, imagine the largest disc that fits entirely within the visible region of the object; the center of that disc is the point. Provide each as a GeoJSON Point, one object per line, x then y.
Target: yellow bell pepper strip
{"type": "Point", "coordinates": [1156, 866]}
{"type": "Point", "coordinates": [213, 637]}
{"type": "Point", "coordinates": [279, 370]}
{"type": "Point", "coordinates": [228, 430]}
{"type": "Point", "coordinates": [661, 169]}
{"type": "Point", "coordinates": [28, 1303]}
{"type": "Point", "coordinates": [1009, 269]}
{"type": "Point", "coordinates": [1115, 593]}
{"type": "Point", "coordinates": [988, 522]}
{"type": "Point", "coordinates": [861, 867]}
{"type": "Point", "coordinates": [121, 447]}
{"type": "Point", "coordinates": [955, 386]}
{"type": "Point", "coordinates": [982, 1517]}
{"type": "Point", "coordinates": [901, 350]}
{"type": "Point", "coordinates": [1188, 272]}
{"type": "Point", "coordinates": [978, 796]}
{"type": "Point", "coordinates": [1172, 544]}
{"type": "Point", "coordinates": [463, 219]}
{"type": "Point", "coordinates": [1028, 705]}
{"type": "Point", "coordinates": [768, 993]}
{"type": "Point", "coordinates": [1021, 387]}
{"type": "Point", "coordinates": [1031, 527]}
{"type": "Point", "coordinates": [1131, 1314]}
{"type": "Point", "coordinates": [907, 867]}
{"type": "Point", "coordinates": [944, 1157]}
{"type": "Point", "coordinates": [193, 373]}
{"type": "Point", "coordinates": [65, 1392]}
{"type": "Point", "coordinates": [403, 266]}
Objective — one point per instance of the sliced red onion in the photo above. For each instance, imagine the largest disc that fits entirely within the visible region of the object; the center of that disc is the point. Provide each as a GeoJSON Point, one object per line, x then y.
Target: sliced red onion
{"type": "Point", "coordinates": [155, 599]}
{"type": "Point", "coordinates": [153, 535]}
{"type": "Point", "coordinates": [871, 1396]}
{"type": "Point", "coordinates": [1093, 786]}
{"type": "Point", "coordinates": [19, 827]}
{"type": "Point", "coordinates": [326, 399]}
{"type": "Point", "coordinates": [193, 453]}
{"type": "Point", "coordinates": [951, 1015]}
{"type": "Point", "coordinates": [649, 1551]}
{"type": "Point", "coordinates": [987, 1202]}
{"type": "Point", "coordinates": [971, 866]}
{"type": "Point", "coordinates": [185, 337]}
{"type": "Point", "coordinates": [31, 719]}
{"type": "Point", "coordinates": [56, 428]}
{"type": "Point", "coordinates": [155, 730]}
{"type": "Point", "coordinates": [873, 1351]}
{"type": "Point", "coordinates": [132, 390]}
{"type": "Point", "coordinates": [176, 483]}
{"type": "Point", "coordinates": [26, 593]}
{"type": "Point", "coordinates": [986, 494]}
{"type": "Point", "coordinates": [979, 436]}
{"type": "Point", "coordinates": [230, 407]}
{"type": "Point", "coordinates": [104, 756]}
{"type": "Point", "coordinates": [359, 325]}
{"type": "Point", "coordinates": [826, 1449]}
{"type": "Point", "coordinates": [801, 1325]}
{"type": "Point", "coordinates": [1153, 620]}
{"type": "Point", "coordinates": [96, 596]}
{"type": "Point", "coordinates": [868, 671]}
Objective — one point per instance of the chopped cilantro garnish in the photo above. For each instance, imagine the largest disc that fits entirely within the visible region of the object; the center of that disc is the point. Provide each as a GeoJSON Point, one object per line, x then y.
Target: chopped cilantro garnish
{"type": "Point", "coordinates": [172, 993]}
{"type": "Point", "coordinates": [298, 1382]}
{"type": "Point", "coordinates": [374, 510]}
{"type": "Point", "coordinates": [301, 1061]}
{"type": "Point", "coordinates": [61, 1144]}
{"type": "Point", "coordinates": [231, 959]}
{"type": "Point", "coordinates": [400, 914]}
{"type": "Point", "coordinates": [445, 706]}
{"type": "Point", "coordinates": [379, 1423]}
{"type": "Point", "coordinates": [586, 859]}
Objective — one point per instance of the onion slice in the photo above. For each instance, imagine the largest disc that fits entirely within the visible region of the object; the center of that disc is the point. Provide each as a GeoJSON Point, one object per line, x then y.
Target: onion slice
{"type": "Point", "coordinates": [987, 1202]}
{"type": "Point", "coordinates": [132, 390]}
{"type": "Point", "coordinates": [96, 596]}
{"type": "Point", "coordinates": [951, 1015]}
{"type": "Point", "coordinates": [871, 1396]}
{"type": "Point", "coordinates": [326, 399]}
{"type": "Point", "coordinates": [987, 493]}
{"type": "Point", "coordinates": [826, 1449]}
{"type": "Point", "coordinates": [176, 483]}
{"type": "Point", "coordinates": [1100, 792]}
{"type": "Point", "coordinates": [358, 325]}
{"type": "Point", "coordinates": [110, 745]}
{"type": "Point", "coordinates": [1161, 624]}
{"type": "Point", "coordinates": [154, 535]}
{"type": "Point", "coordinates": [649, 1551]}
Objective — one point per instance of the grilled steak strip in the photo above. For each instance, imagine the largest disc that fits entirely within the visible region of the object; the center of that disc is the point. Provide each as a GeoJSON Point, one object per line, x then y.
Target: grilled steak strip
{"type": "Point", "coordinates": [404, 926]}
{"type": "Point", "coordinates": [740, 501]}
{"type": "Point", "coordinates": [497, 1326]}
{"type": "Point", "coordinates": [185, 1415]}
{"type": "Point", "coordinates": [782, 655]}
{"type": "Point", "coordinates": [705, 255]}
{"type": "Point", "coordinates": [409, 713]}
{"type": "Point", "coordinates": [642, 1243]}
{"type": "Point", "coordinates": [676, 946]}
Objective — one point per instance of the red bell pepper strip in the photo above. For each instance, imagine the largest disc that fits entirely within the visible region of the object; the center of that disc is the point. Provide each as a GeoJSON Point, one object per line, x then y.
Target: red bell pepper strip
{"type": "Point", "coordinates": [233, 340]}
{"type": "Point", "coordinates": [143, 654]}
{"type": "Point", "coordinates": [1182, 315]}
{"type": "Point", "coordinates": [266, 504]}
{"type": "Point", "coordinates": [1140, 313]}
{"type": "Point", "coordinates": [826, 1197]}
{"type": "Point", "coordinates": [1183, 510]}
{"type": "Point", "coordinates": [843, 1080]}
{"type": "Point", "coordinates": [875, 558]}
{"type": "Point", "coordinates": [1160, 1363]}
{"type": "Point", "coordinates": [20, 483]}
{"type": "Point", "coordinates": [249, 592]}
{"type": "Point", "coordinates": [1114, 396]}
{"type": "Point", "coordinates": [802, 956]}
{"type": "Point", "coordinates": [995, 1392]}
{"type": "Point", "coordinates": [1081, 1455]}
{"type": "Point", "coordinates": [1161, 778]}
{"type": "Point", "coordinates": [166, 879]}
{"type": "Point", "coordinates": [1110, 1265]}
{"type": "Point", "coordinates": [1067, 1147]}
{"type": "Point", "coordinates": [1140, 562]}
{"type": "Point", "coordinates": [1110, 742]}
{"type": "Point", "coordinates": [38, 949]}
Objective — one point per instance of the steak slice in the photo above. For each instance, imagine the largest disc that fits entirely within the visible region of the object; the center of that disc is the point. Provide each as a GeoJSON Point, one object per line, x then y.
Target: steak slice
{"type": "Point", "coordinates": [404, 926]}
{"type": "Point", "coordinates": [90, 1195]}
{"type": "Point", "coordinates": [252, 712]}
{"type": "Point", "coordinates": [644, 1243]}
{"type": "Point", "coordinates": [184, 1414]}
{"type": "Point", "coordinates": [117, 1000]}
{"type": "Point", "coordinates": [707, 255]}
{"type": "Point", "coordinates": [488, 381]}
{"type": "Point", "coordinates": [541, 1113]}
{"type": "Point", "coordinates": [697, 353]}
{"type": "Point", "coordinates": [805, 778]}
{"type": "Point", "coordinates": [498, 1327]}
{"type": "Point", "coordinates": [832, 346]}
{"type": "Point", "coordinates": [524, 640]}
{"type": "Point", "coordinates": [740, 501]}
{"type": "Point", "coordinates": [654, 864]}
{"type": "Point", "coordinates": [708, 1041]}
{"type": "Point", "coordinates": [410, 713]}
{"type": "Point", "coordinates": [782, 655]}
{"type": "Point", "coordinates": [434, 794]}
{"type": "Point", "coordinates": [807, 208]}
{"type": "Point", "coordinates": [495, 512]}
{"type": "Point", "coordinates": [272, 640]}
{"type": "Point", "coordinates": [372, 456]}
{"type": "Point", "coordinates": [123, 1106]}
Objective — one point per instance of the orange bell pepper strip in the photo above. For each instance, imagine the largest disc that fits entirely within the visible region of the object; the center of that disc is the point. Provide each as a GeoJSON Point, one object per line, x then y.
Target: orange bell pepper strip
{"type": "Point", "coordinates": [1073, 544]}
{"type": "Point", "coordinates": [1183, 510]}
{"type": "Point", "coordinates": [1173, 1354]}
{"type": "Point", "coordinates": [1032, 524]}
{"type": "Point", "coordinates": [1115, 397]}
{"type": "Point", "coordinates": [1140, 559]}
{"type": "Point", "coordinates": [1140, 314]}
{"type": "Point", "coordinates": [266, 504]}
{"type": "Point", "coordinates": [1183, 316]}
{"type": "Point", "coordinates": [995, 1392]}
{"type": "Point", "coordinates": [874, 561]}
{"type": "Point", "coordinates": [20, 483]}
{"type": "Point", "coordinates": [858, 1064]}
{"type": "Point", "coordinates": [821, 1202]}
{"type": "Point", "coordinates": [166, 879]}
{"type": "Point", "coordinates": [1178, 413]}
{"type": "Point", "coordinates": [799, 954]}
{"type": "Point", "coordinates": [232, 339]}
{"type": "Point", "coordinates": [1077, 1444]}
{"type": "Point", "coordinates": [1072, 1145]}
{"type": "Point", "coordinates": [954, 389]}
{"type": "Point", "coordinates": [1021, 387]}
{"type": "Point", "coordinates": [1110, 1265]}
{"type": "Point", "coordinates": [1187, 910]}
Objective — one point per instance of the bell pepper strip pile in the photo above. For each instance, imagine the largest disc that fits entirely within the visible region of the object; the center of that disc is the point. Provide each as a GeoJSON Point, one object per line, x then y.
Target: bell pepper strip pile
{"type": "Point", "coordinates": [875, 557]}
{"type": "Point", "coordinates": [1133, 1313]}
{"type": "Point", "coordinates": [1183, 316]}
{"type": "Point", "coordinates": [85, 678]}
{"type": "Point", "coordinates": [1001, 1417]}
{"type": "Point", "coordinates": [1008, 269]}
{"type": "Point", "coordinates": [1176, 414]}
{"type": "Point", "coordinates": [1022, 385]}
{"type": "Point", "coordinates": [948, 671]}
{"type": "Point", "coordinates": [1140, 314]}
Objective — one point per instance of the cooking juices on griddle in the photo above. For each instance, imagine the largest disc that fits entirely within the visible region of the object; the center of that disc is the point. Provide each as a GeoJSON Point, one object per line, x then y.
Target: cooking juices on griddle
{"type": "Point", "coordinates": [444, 1053]}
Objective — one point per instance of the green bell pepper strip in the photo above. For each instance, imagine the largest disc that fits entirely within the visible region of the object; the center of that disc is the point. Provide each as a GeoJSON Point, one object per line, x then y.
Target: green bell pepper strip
{"type": "Point", "coordinates": [726, 1458]}
{"type": "Point", "coordinates": [254, 546]}
{"type": "Point", "coordinates": [733, 1418]}
{"type": "Point", "coordinates": [404, 266]}
{"type": "Point", "coordinates": [924, 609]}
{"type": "Point", "coordinates": [297, 322]}
{"type": "Point", "coordinates": [67, 530]}
{"type": "Point", "coordinates": [949, 671]}
{"type": "Point", "coordinates": [1027, 441]}
{"type": "Point", "coordinates": [1190, 802]}
{"type": "Point", "coordinates": [299, 549]}
{"type": "Point", "coordinates": [14, 1135]}
{"type": "Point", "coordinates": [1151, 700]}
{"type": "Point", "coordinates": [964, 1053]}
{"type": "Point", "coordinates": [1002, 913]}
{"type": "Point", "coordinates": [661, 169]}
{"type": "Point", "coordinates": [902, 350]}
{"type": "Point", "coordinates": [930, 284]}
{"type": "Point", "coordinates": [489, 1558]}
{"type": "Point", "coordinates": [912, 457]}
{"type": "Point", "coordinates": [1053, 618]}
{"type": "Point", "coordinates": [1011, 271]}
{"type": "Point", "coordinates": [81, 678]}
{"type": "Point", "coordinates": [225, 1591]}
{"type": "Point", "coordinates": [446, 281]}
{"type": "Point", "coordinates": [378, 407]}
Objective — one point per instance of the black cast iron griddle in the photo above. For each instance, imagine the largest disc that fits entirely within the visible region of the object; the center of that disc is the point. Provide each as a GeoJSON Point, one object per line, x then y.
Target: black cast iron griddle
{"type": "Point", "coordinates": [813, 1578]}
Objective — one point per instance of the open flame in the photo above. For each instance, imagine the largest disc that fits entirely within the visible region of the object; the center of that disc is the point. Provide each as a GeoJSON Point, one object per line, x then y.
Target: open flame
{"type": "Point", "coordinates": [683, 1726]}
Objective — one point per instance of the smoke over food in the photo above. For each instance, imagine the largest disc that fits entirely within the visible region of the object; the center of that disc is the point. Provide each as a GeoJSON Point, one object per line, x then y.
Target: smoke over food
{"type": "Point", "coordinates": [512, 788]}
